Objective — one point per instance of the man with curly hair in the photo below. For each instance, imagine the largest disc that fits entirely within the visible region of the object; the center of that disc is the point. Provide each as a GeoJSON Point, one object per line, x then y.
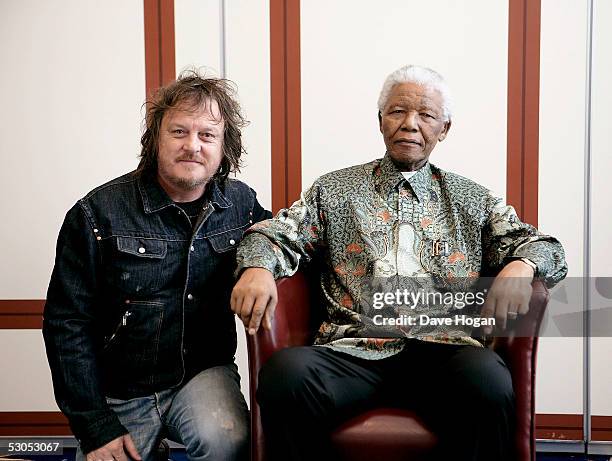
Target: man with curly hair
{"type": "Point", "coordinates": [137, 325]}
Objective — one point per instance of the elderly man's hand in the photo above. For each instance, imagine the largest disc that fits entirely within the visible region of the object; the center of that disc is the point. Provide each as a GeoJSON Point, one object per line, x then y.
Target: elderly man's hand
{"type": "Point", "coordinates": [115, 450]}
{"type": "Point", "coordinates": [509, 295]}
{"type": "Point", "coordinates": [254, 298]}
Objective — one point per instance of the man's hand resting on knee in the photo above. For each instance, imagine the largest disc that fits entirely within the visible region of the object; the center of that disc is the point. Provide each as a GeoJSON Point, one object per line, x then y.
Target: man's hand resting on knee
{"type": "Point", "coordinates": [254, 298]}
{"type": "Point", "coordinates": [118, 449]}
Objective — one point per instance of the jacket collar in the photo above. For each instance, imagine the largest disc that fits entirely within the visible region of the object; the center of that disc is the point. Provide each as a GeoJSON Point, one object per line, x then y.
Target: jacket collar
{"type": "Point", "coordinates": [154, 197]}
{"type": "Point", "coordinates": [387, 177]}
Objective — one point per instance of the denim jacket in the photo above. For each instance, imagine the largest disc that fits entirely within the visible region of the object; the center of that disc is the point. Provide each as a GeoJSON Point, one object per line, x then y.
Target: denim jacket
{"type": "Point", "coordinates": [139, 298]}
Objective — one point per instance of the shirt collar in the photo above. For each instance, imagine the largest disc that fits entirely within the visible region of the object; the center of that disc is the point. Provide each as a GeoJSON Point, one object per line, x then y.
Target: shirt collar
{"type": "Point", "coordinates": [154, 197]}
{"type": "Point", "coordinates": [387, 177]}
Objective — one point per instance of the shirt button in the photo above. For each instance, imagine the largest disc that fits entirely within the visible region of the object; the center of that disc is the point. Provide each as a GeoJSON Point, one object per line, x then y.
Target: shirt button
{"type": "Point", "coordinates": [191, 248]}
{"type": "Point", "coordinates": [232, 241]}
{"type": "Point", "coordinates": [190, 297]}
{"type": "Point", "coordinates": [141, 250]}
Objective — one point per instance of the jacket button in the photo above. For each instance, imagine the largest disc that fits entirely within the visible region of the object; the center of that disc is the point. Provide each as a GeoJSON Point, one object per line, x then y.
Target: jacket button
{"type": "Point", "coordinates": [141, 250]}
{"type": "Point", "coordinates": [191, 248]}
{"type": "Point", "coordinates": [232, 241]}
{"type": "Point", "coordinates": [190, 297]}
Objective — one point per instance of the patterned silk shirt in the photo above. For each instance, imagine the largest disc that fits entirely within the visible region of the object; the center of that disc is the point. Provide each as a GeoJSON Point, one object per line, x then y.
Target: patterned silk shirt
{"type": "Point", "coordinates": [367, 223]}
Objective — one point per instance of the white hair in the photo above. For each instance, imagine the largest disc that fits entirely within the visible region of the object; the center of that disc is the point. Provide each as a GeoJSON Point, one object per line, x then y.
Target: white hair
{"type": "Point", "coordinates": [422, 76]}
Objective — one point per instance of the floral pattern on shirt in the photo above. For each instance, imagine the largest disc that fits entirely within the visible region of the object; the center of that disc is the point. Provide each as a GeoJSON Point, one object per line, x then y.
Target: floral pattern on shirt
{"type": "Point", "coordinates": [368, 221]}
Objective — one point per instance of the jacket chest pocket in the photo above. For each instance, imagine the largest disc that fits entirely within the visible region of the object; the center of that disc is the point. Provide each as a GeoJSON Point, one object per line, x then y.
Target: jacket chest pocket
{"type": "Point", "coordinates": [223, 248]}
{"type": "Point", "coordinates": [138, 265]}
{"type": "Point", "coordinates": [226, 242]}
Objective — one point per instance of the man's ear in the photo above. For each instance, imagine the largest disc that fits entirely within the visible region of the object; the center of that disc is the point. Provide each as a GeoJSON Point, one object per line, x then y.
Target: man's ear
{"type": "Point", "coordinates": [380, 121]}
{"type": "Point", "coordinates": [444, 132]}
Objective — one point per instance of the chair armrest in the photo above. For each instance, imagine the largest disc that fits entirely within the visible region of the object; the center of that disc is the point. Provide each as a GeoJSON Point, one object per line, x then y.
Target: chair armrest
{"type": "Point", "coordinates": [291, 326]}
{"type": "Point", "coordinates": [519, 351]}
{"type": "Point", "coordinates": [521, 341]}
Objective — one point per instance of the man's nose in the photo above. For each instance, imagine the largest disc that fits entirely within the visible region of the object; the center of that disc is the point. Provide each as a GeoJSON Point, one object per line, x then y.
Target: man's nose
{"type": "Point", "coordinates": [192, 143]}
{"type": "Point", "coordinates": [410, 122]}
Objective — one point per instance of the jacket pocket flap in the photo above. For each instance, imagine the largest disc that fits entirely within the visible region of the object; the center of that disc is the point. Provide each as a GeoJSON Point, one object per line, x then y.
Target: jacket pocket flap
{"type": "Point", "coordinates": [226, 241]}
{"type": "Point", "coordinates": [141, 247]}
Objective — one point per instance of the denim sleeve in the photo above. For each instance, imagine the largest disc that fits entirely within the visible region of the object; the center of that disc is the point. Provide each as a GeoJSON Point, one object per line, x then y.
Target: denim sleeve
{"type": "Point", "coordinates": [259, 212]}
{"type": "Point", "coordinates": [69, 327]}
{"type": "Point", "coordinates": [506, 237]}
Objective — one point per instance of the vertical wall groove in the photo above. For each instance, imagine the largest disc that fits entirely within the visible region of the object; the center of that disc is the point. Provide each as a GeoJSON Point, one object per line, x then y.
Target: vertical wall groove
{"type": "Point", "coordinates": [587, 231]}
{"type": "Point", "coordinates": [223, 38]}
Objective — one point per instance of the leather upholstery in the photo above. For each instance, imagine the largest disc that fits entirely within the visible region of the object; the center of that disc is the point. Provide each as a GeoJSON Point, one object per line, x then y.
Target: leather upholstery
{"type": "Point", "coordinates": [387, 433]}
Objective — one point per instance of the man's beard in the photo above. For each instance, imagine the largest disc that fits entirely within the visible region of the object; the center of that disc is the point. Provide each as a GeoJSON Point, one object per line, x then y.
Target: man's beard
{"type": "Point", "coordinates": [187, 184]}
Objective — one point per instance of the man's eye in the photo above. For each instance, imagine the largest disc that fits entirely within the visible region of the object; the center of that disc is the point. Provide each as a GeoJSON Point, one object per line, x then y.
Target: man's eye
{"type": "Point", "coordinates": [178, 131]}
{"type": "Point", "coordinates": [207, 135]}
{"type": "Point", "coordinates": [427, 115]}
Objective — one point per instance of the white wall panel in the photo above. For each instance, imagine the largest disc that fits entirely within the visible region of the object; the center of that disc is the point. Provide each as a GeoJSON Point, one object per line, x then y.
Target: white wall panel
{"type": "Point", "coordinates": [26, 383]}
{"type": "Point", "coordinates": [72, 87]}
{"type": "Point", "coordinates": [197, 26]}
{"type": "Point", "coordinates": [562, 126]}
{"type": "Point", "coordinates": [248, 65]}
{"type": "Point", "coordinates": [348, 49]}
{"type": "Point", "coordinates": [601, 211]}
{"type": "Point", "coordinates": [601, 140]}
{"type": "Point", "coordinates": [561, 184]}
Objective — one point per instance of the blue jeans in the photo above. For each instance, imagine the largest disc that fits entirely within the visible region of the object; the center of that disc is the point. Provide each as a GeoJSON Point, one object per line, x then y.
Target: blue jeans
{"type": "Point", "coordinates": [208, 415]}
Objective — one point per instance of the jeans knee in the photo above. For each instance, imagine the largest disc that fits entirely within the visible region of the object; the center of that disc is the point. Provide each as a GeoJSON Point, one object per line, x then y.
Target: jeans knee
{"type": "Point", "coordinates": [226, 439]}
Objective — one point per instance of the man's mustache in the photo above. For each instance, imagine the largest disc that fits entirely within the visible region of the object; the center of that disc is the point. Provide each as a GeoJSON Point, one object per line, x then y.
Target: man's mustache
{"type": "Point", "coordinates": [190, 158]}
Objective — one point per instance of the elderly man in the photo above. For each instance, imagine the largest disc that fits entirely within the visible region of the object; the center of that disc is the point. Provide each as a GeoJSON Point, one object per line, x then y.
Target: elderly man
{"type": "Point", "coordinates": [138, 328]}
{"type": "Point", "coordinates": [398, 216]}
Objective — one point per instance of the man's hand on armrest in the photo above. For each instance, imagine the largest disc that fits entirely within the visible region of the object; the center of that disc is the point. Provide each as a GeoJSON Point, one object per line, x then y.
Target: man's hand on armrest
{"type": "Point", "coordinates": [510, 294]}
{"type": "Point", "coordinates": [254, 298]}
{"type": "Point", "coordinates": [117, 449]}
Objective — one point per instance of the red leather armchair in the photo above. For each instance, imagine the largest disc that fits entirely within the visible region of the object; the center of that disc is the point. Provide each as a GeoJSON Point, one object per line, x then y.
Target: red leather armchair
{"type": "Point", "coordinates": [386, 433]}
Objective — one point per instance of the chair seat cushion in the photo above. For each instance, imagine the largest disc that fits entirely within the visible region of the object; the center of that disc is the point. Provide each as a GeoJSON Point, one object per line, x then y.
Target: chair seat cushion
{"type": "Point", "coordinates": [383, 433]}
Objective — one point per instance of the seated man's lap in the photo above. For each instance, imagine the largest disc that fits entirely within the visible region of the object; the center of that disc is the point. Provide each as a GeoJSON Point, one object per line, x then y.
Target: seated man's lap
{"type": "Point", "coordinates": [424, 376]}
{"type": "Point", "coordinates": [317, 383]}
{"type": "Point", "coordinates": [440, 380]}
